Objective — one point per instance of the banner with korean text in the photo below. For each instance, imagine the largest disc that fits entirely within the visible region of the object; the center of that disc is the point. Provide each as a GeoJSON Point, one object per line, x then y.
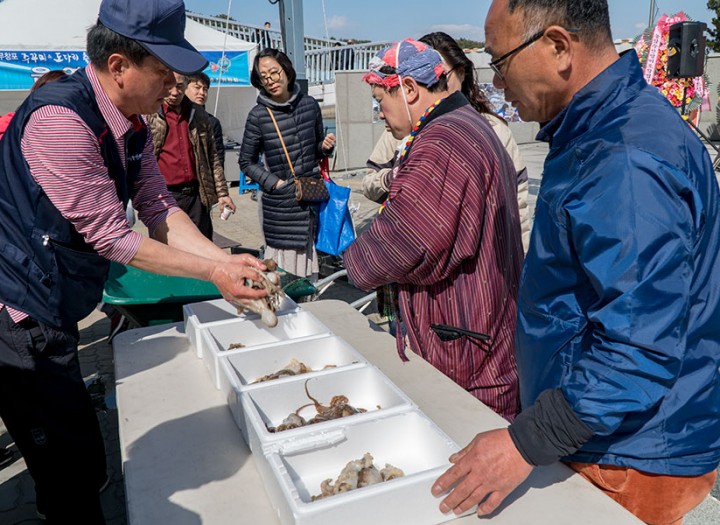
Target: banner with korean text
{"type": "Point", "coordinates": [19, 69]}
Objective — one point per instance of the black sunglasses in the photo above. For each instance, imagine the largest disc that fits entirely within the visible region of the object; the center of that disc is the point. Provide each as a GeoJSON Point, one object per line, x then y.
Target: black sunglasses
{"type": "Point", "coordinates": [450, 333]}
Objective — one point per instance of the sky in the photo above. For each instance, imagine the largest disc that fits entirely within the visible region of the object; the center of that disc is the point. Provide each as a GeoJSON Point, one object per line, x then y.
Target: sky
{"type": "Point", "coordinates": [383, 20]}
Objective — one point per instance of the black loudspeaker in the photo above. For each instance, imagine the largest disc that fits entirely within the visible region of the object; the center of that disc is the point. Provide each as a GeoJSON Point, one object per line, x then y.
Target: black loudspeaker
{"type": "Point", "coordinates": [686, 50]}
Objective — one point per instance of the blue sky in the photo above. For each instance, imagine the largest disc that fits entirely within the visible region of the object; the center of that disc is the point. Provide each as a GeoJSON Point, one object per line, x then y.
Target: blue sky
{"type": "Point", "coordinates": [393, 20]}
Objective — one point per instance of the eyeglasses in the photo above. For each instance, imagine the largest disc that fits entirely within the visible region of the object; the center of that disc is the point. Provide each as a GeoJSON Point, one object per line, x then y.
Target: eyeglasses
{"type": "Point", "coordinates": [273, 76]}
{"type": "Point", "coordinates": [495, 64]}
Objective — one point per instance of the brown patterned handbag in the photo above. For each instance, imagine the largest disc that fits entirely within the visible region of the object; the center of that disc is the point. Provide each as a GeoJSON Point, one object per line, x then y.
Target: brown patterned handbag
{"type": "Point", "coordinates": [307, 189]}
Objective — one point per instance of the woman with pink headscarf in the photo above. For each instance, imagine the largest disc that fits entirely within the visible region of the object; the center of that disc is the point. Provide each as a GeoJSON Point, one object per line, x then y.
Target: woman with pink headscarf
{"type": "Point", "coordinates": [447, 240]}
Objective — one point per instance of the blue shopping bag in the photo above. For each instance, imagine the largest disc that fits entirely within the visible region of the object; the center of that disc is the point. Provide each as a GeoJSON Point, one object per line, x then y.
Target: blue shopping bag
{"type": "Point", "coordinates": [335, 229]}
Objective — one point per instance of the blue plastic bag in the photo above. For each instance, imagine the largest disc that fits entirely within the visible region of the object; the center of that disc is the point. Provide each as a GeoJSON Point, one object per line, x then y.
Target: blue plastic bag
{"type": "Point", "coordinates": [335, 229]}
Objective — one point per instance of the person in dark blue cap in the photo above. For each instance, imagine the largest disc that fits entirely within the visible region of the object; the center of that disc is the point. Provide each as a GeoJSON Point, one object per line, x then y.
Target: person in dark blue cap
{"type": "Point", "coordinates": [158, 26]}
{"type": "Point", "coordinates": [74, 154]}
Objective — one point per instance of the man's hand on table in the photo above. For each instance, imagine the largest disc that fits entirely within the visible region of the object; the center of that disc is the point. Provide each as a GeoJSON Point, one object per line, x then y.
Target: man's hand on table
{"type": "Point", "coordinates": [229, 276]}
{"type": "Point", "coordinates": [486, 471]}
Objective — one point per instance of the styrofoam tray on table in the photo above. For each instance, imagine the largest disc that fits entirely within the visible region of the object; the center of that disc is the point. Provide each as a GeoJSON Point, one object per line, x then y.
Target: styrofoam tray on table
{"type": "Point", "coordinates": [199, 316]}
{"type": "Point", "coordinates": [316, 354]}
{"type": "Point", "coordinates": [365, 387]}
{"type": "Point", "coordinates": [293, 472]}
{"type": "Point", "coordinates": [252, 333]}
{"type": "Point", "coordinates": [240, 370]}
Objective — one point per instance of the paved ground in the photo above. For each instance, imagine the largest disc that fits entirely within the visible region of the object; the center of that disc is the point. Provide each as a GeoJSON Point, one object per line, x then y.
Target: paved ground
{"type": "Point", "coordinates": [17, 498]}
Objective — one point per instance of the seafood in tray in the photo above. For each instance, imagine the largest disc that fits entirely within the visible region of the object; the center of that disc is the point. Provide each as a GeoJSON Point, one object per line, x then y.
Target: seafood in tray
{"type": "Point", "coordinates": [253, 334]}
{"type": "Point", "coordinates": [293, 368]}
{"type": "Point", "coordinates": [303, 456]}
{"type": "Point", "coordinates": [339, 407]}
{"type": "Point", "coordinates": [396, 458]}
{"type": "Point", "coordinates": [257, 408]}
{"type": "Point", "coordinates": [357, 474]}
{"type": "Point", "coordinates": [260, 367]}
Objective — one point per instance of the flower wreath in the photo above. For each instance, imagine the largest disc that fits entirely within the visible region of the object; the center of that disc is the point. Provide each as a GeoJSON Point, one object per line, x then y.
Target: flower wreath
{"type": "Point", "coordinates": [652, 49]}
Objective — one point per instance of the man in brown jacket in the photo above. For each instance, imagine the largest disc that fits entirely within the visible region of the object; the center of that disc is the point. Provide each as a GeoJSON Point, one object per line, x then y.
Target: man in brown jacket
{"type": "Point", "coordinates": [184, 145]}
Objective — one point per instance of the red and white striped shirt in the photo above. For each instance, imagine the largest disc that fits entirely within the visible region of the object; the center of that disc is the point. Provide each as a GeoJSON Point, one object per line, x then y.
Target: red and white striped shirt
{"type": "Point", "coordinates": [64, 158]}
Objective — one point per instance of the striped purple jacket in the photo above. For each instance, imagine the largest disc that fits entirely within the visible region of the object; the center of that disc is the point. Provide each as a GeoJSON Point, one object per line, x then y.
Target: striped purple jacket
{"type": "Point", "coordinates": [450, 239]}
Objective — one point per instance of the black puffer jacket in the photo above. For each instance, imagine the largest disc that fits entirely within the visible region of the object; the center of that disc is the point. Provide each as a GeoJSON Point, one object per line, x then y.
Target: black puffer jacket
{"type": "Point", "coordinates": [287, 224]}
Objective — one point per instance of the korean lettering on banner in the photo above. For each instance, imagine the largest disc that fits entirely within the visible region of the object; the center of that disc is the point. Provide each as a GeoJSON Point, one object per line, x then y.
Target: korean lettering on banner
{"type": "Point", "coordinates": [653, 54]}
{"type": "Point", "coordinates": [19, 69]}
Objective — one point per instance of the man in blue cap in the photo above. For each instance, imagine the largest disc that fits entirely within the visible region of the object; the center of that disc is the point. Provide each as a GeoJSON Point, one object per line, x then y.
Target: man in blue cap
{"type": "Point", "coordinates": [74, 154]}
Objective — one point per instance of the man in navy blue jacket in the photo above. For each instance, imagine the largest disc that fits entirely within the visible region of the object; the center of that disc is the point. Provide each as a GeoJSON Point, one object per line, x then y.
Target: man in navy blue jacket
{"type": "Point", "coordinates": [618, 332]}
{"type": "Point", "coordinates": [73, 155]}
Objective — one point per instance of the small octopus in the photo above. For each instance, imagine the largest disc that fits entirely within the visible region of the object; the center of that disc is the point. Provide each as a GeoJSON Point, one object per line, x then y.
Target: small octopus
{"type": "Point", "coordinates": [339, 407]}
{"type": "Point", "coordinates": [266, 306]}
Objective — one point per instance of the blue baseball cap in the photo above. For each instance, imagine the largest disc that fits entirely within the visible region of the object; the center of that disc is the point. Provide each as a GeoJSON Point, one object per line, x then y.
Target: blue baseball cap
{"type": "Point", "coordinates": [158, 26]}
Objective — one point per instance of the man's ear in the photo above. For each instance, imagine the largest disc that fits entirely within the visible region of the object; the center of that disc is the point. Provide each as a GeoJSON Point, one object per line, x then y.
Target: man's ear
{"type": "Point", "coordinates": [117, 65]}
{"type": "Point", "coordinates": [563, 46]}
{"type": "Point", "coordinates": [412, 92]}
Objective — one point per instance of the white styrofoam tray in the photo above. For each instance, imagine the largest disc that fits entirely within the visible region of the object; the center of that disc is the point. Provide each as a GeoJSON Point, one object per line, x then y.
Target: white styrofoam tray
{"type": "Point", "coordinates": [239, 370]}
{"type": "Point", "coordinates": [199, 316]}
{"type": "Point", "coordinates": [365, 387]}
{"type": "Point", "coordinates": [293, 472]}
{"type": "Point", "coordinates": [316, 354]}
{"type": "Point", "coordinates": [291, 327]}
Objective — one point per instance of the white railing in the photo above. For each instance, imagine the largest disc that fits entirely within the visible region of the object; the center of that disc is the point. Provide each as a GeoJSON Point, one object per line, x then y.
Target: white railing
{"type": "Point", "coordinates": [322, 56]}
{"type": "Point", "coordinates": [262, 36]}
{"type": "Point", "coordinates": [321, 64]}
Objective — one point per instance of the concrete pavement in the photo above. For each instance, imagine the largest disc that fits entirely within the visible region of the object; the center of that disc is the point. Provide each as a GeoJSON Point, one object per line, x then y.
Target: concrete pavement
{"type": "Point", "coordinates": [16, 487]}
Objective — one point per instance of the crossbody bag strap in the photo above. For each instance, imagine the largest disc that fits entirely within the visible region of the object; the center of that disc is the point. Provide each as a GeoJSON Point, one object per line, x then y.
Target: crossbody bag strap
{"type": "Point", "coordinates": [287, 155]}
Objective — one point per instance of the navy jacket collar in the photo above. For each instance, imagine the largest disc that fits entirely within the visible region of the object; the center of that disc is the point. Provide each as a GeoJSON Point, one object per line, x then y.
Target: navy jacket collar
{"type": "Point", "coordinates": [620, 81]}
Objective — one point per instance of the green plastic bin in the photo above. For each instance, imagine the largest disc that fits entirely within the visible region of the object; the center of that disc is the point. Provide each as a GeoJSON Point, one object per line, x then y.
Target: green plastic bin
{"type": "Point", "coordinates": [297, 288]}
{"type": "Point", "coordinates": [149, 299]}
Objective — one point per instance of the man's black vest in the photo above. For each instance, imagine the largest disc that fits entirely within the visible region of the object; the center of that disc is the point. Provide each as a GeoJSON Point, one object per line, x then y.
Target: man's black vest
{"type": "Point", "coordinates": [47, 270]}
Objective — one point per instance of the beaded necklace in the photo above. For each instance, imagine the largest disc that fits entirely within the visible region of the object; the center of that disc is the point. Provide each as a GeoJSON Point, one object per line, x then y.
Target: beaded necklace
{"type": "Point", "coordinates": [417, 127]}
{"type": "Point", "coordinates": [408, 142]}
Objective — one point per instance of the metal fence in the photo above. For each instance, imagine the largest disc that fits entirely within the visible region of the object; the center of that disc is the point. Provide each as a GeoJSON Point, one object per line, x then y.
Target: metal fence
{"type": "Point", "coordinates": [321, 64]}
{"type": "Point", "coordinates": [263, 37]}
{"type": "Point", "coordinates": [322, 56]}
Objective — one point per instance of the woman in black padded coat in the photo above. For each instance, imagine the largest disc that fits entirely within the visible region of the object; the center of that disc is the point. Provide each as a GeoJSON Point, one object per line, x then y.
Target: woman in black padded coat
{"type": "Point", "coordinates": [288, 226]}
